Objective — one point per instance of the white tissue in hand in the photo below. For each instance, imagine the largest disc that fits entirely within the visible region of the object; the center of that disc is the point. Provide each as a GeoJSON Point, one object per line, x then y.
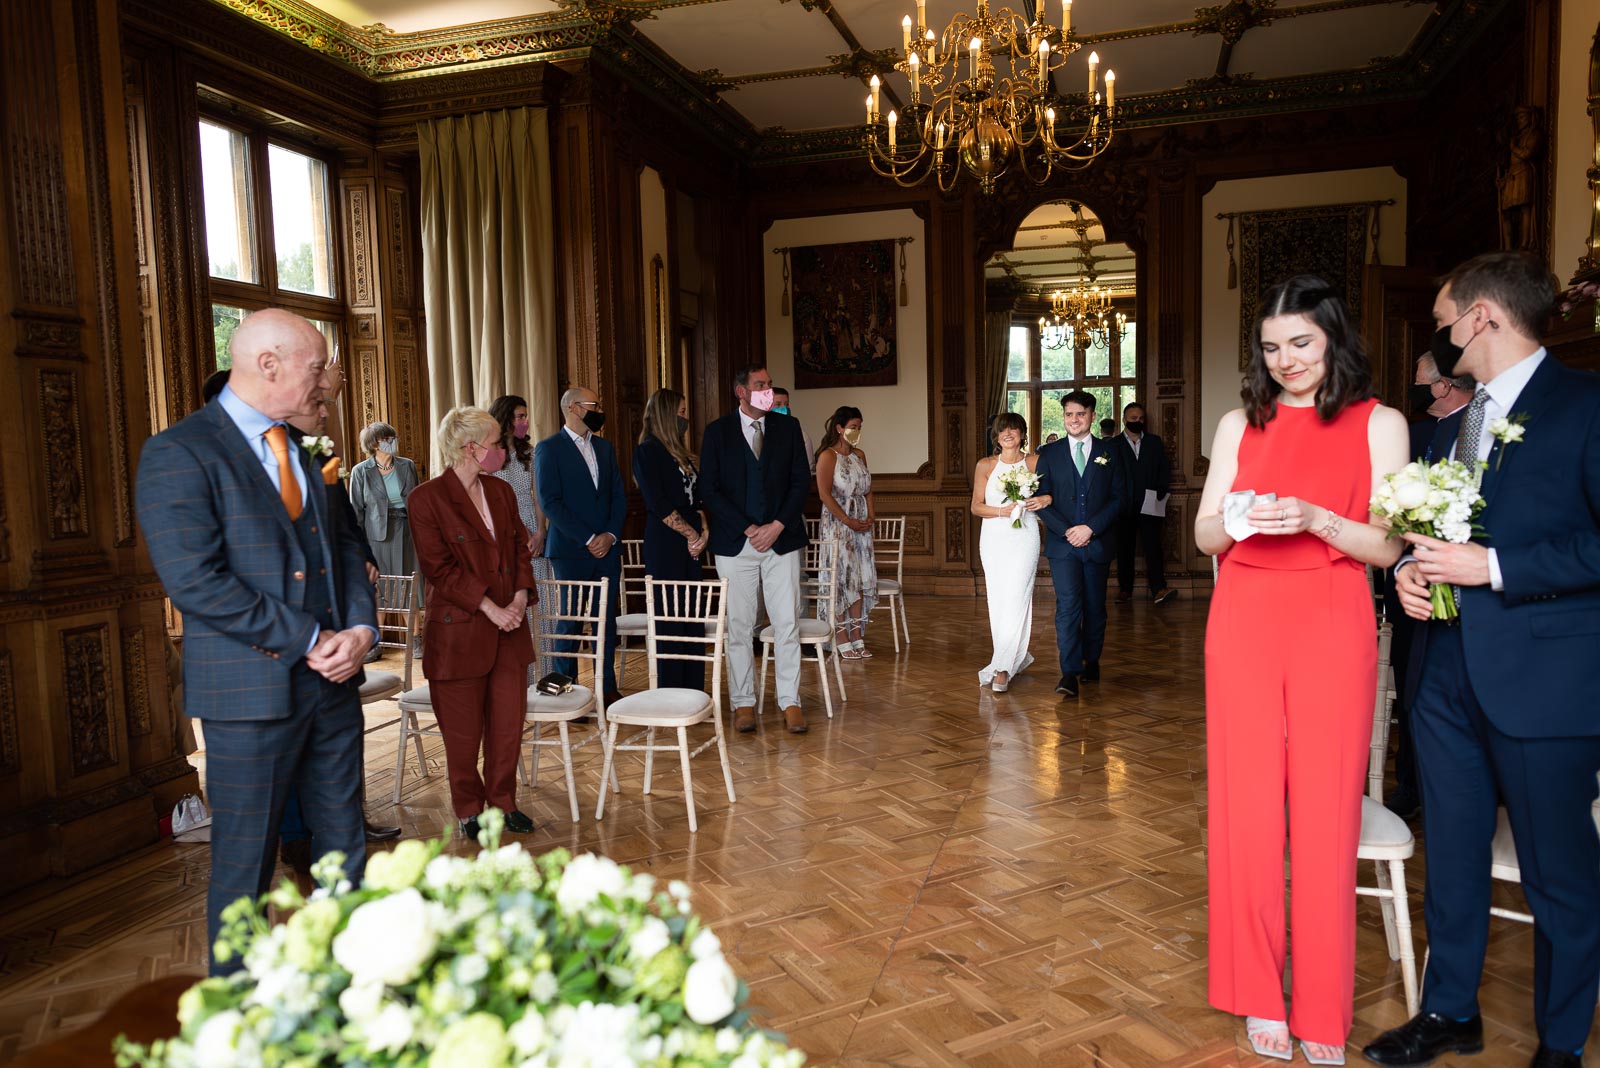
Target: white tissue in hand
{"type": "Point", "coordinates": [1236, 507]}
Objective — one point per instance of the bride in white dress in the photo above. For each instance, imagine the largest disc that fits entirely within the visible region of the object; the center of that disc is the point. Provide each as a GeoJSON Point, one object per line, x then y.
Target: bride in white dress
{"type": "Point", "coordinates": [1010, 555]}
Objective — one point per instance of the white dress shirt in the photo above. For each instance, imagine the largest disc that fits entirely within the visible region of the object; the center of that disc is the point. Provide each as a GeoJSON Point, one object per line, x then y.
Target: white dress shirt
{"type": "Point", "coordinates": [1503, 390]}
{"type": "Point", "coordinates": [586, 450]}
{"type": "Point", "coordinates": [1134, 442]}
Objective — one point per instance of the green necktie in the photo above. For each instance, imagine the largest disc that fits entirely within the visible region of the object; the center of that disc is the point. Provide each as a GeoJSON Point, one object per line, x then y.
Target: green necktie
{"type": "Point", "coordinates": [1078, 457]}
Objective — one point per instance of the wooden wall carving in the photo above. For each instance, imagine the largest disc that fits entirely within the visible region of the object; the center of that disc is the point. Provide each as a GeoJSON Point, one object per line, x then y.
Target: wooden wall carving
{"type": "Point", "coordinates": [62, 431]}
{"type": "Point", "coordinates": [86, 671]}
{"type": "Point", "coordinates": [358, 215]}
{"type": "Point", "coordinates": [919, 533]}
{"type": "Point", "coordinates": [41, 238]}
{"type": "Point", "coordinates": [10, 749]}
{"type": "Point", "coordinates": [955, 535]}
{"type": "Point", "coordinates": [399, 280]}
{"type": "Point", "coordinates": [5, 528]}
{"type": "Point", "coordinates": [136, 681]}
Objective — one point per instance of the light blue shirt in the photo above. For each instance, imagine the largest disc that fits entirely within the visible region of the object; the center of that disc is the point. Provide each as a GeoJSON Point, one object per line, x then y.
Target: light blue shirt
{"type": "Point", "coordinates": [254, 426]}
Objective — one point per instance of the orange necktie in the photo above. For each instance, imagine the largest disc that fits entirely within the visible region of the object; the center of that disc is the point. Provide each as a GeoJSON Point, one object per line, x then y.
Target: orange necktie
{"type": "Point", "coordinates": [288, 488]}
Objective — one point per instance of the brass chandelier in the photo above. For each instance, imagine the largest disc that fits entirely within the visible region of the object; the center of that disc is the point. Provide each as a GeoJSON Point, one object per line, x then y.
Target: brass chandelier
{"type": "Point", "coordinates": [988, 121]}
{"type": "Point", "coordinates": [1082, 315]}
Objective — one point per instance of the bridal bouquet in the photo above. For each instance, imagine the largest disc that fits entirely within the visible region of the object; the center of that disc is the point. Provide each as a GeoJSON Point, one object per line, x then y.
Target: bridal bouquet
{"type": "Point", "coordinates": [1018, 484]}
{"type": "Point", "coordinates": [1439, 501]}
{"type": "Point", "coordinates": [504, 960]}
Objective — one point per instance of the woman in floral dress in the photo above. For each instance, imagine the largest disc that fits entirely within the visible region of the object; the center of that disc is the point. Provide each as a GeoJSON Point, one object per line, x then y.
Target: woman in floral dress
{"type": "Point", "coordinates": [845, 485]}
{"type": "Point", "coordinates": [512, 414]}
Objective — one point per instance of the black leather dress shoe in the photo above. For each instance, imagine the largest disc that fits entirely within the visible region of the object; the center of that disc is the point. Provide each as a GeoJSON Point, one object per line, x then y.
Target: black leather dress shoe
{"type": "Point", "coordinates": [517, 823]}
{"type": "Point", "coordinates": [381, 834]}
{"type": "Point", "coordinates": [296, 853]}
{"type": "Point", "coordinates": [1091, 671]}
{"type": "Point", "coordinates": [1422, 1038]}
{"type": "Point", "coordinates": [1068, 685]}
{"type": "Point", "coordinates": [469, 828]}
{"type": "Point", "coordinates": [1555, 1058]}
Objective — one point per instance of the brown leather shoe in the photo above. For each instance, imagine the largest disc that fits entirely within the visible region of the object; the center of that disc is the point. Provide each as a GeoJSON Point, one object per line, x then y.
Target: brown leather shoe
{"type": "Point", "coordinates": [795, 720]}
{"type": "Point", "coordinates": [744, 719]}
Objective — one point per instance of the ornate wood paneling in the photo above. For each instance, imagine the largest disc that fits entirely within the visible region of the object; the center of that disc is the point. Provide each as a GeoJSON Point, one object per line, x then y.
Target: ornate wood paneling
{"type": "Point", "coordinates": [42, 242]}
{"type": "Point", "coordinates": [10, 748]}
{"type": "Point", "coordinates": [136, 681]}
{"type": "Point", "coordinates": [86, 676]}
{"type": "Point", "coordinates": [955, 535]}
{"type": "Point", "coordinates": [61, 431]}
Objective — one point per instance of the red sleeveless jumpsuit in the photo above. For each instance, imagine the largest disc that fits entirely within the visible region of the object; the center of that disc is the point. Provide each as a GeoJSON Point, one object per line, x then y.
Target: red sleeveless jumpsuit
{"type": "Point", "coordinates": [1291, 673]}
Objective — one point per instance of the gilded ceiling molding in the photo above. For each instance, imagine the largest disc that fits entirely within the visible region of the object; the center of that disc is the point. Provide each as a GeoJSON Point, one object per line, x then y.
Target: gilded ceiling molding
{"type": "Point", "coordinates": [1232, 19]}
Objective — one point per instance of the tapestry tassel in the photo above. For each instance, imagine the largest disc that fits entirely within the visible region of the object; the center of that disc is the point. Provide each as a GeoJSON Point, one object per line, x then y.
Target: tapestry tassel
{"type": "Point", "coordinates": [784, 308]}
{"type": "Point", "coordinates": [1377, 260]}
{"type": "Point", "coordinates": [1233, 265]}
{"type": "Point", "coordinates": [905, 297]}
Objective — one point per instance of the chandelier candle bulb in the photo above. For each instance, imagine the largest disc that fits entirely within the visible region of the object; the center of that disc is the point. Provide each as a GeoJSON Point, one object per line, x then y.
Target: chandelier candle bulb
{"type": "Point", "coordinates": [941, 136]}
{"type": "Point", "coordinates": [876, 86]}
{"type": "Point", "coordinates": [1094, 62]}
{"type": "Point", "coordinates": [905, 33]}
{"type": "Point", "coordinates": [1066, 17]}
{"type": "Point", "coordinates": [972, 54]}
{"type": "Point", "coordinates": [869, 110]}
{"type": "Point", "coordinates": [1044, 63]}
{"type": "Point", "coordinates": [915, 65]}
{"type": "Point", "coordinates": [933, 50]}
{"type": "Point", "coordinates": [1111, 88]}
{"type": "Point", "coordinates": [892, 119]}
{"type": "Point", "coordinates": [922, 16]}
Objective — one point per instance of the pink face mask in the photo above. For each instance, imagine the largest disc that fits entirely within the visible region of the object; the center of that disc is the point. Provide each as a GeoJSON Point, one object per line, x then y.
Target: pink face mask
{"type": "Point", "coordinates": [494, 458]}
{"type": "Point", "coordinates": [761, 399]}
{"type": "Point", "coordinates": [519, 428]}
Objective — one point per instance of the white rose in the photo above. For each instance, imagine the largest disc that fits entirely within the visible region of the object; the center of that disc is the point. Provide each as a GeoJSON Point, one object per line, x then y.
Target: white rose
{"type": "Point", "coordinates": [390, 1030]}
{"type": "Point", "coordinates": [544, 988]}
{"type": "Point", "coordinates": [216, 1045]}
{"type": "Point", "coordinates": [360, 1001]}
{"type": "Point", "coordinates": [705, 944]}
{"type": "Point", "coordinates": [709, 990]}
{"type": "Point", "coordinates": [585, 878]}
{"type": "Point", "coordinates": [1409, 493]}
{"type": "Point", "coordinates": [387, 940]}
{"type": "Point", "coordinates": [529, 1034]}
{"type": "Point", "coordinates": [651, 938]}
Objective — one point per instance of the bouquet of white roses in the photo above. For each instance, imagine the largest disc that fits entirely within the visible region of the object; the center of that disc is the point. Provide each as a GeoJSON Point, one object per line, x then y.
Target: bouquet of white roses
{"type": "Point", "coordinates": [1018, 484]}
{"type": "Point", "coordinates": [1439, 501]}
{"type": "Point", "coordinates": [504, 960]}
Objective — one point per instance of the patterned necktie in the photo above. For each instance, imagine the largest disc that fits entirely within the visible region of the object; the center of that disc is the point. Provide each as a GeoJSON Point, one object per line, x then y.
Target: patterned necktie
{"type": "Point", "coordinates": [1471, 432]}
{"type": "Point", "coordinates": [758, 440]}
{"type": "Point", "coordinates": [288, 488]}
{"type": "Point", "coordinates": [1078, 456]}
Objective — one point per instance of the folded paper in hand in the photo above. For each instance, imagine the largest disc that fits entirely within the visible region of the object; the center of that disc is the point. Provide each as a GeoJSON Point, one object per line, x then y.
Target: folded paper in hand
{"type": "Point", "coordinates": [1236, 507]}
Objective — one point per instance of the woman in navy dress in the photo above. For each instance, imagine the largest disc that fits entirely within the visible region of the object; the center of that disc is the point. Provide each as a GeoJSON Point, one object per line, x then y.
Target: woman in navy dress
{"type": "Point", "coordinates": [675, 528]}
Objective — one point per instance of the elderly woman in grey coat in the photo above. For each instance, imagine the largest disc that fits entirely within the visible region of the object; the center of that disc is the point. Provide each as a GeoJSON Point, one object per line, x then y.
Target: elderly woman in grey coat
{"type": "Point", "coordinates": [379, 487]}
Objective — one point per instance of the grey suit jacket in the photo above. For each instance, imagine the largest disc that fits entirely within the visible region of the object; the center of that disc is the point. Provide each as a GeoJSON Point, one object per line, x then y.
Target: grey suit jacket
{"type": "Point", "coordinates": [371, 500]}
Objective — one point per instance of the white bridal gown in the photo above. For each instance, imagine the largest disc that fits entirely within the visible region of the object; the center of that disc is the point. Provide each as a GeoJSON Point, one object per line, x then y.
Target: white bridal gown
{"type": "Point", "coordinates": [1010, 561]}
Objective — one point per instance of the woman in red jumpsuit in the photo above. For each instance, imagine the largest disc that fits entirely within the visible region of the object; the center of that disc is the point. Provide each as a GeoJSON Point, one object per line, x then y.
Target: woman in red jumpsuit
{"type": "Point", "coordinates": [1291, 667]}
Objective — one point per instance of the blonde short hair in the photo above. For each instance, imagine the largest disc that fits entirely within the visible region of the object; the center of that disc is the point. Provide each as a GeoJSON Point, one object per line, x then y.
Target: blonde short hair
{"type": "Point", "coordinates": [460, 426]}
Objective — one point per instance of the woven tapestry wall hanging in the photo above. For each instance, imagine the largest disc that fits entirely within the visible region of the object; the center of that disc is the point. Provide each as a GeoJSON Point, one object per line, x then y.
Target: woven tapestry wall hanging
{"type": "Point", "coordinates": [1329, 241]}
{"type": "Point", "coordinates": [844, 314]}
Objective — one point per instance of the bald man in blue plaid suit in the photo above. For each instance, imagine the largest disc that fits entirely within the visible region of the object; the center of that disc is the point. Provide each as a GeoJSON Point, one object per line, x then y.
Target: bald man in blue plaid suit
{"type": "Point", "coordinates": [278, 613]}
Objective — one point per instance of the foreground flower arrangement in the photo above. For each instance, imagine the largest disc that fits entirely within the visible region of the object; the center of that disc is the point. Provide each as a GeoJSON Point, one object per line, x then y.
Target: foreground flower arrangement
{"type": "Point", "coordinates": [1439, 501]}
{"type": "Point", "coordinates": [504, 960]}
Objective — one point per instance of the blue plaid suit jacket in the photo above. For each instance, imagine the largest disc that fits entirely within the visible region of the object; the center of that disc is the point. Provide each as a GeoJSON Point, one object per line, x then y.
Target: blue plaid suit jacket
{"type": "Point", "coordinates": [228, 556]}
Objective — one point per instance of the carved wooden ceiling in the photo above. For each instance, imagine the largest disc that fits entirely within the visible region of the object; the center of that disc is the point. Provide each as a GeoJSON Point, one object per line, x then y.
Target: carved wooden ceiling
{"type": "Point", "coordinates": [790, 75]}
{"type": "Point", "coordinates": [1060, 244]}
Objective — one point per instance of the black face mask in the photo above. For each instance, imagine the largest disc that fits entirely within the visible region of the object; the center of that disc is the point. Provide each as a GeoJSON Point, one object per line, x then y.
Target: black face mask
{"type": "Point", "coordinates": [1420, 399]}
{"type": "Point", "coordinates": [594, 421]}
{"type": "Point", "coordinates": [1446, 353]}
{"type": "Point", "coordinates": [1133, 428]}
{"type": "Point", "coordinates": [683, 426]}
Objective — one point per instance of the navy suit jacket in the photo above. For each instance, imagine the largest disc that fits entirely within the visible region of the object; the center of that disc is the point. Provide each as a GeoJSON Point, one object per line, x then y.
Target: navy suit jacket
{"type": "Point", "coordinates": [577, 510]}
{"type": "Point", "coordinates": [724, 474]}
{"type": "Point", "coordinates": [229, 558]}
{"type": "Point", "coordinates": [1097, 497]}
{"type": "Point", "coordinates": [1530, 648]}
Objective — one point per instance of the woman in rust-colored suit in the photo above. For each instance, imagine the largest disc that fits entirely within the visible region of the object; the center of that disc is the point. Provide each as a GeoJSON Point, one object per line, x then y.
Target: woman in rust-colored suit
{"type": "Point", "coordinates": [473, 550]}
{"type": "Point", "coordinates": [1291, 667]}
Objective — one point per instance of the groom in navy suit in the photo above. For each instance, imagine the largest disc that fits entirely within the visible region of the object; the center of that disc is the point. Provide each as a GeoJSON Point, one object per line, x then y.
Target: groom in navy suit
{"type": "Point", "coordinates": [580, 489]}
{"type": "Point", "coordinates": [1089, 491]}
{"type": "Point", "coordinates": [1504, 711]}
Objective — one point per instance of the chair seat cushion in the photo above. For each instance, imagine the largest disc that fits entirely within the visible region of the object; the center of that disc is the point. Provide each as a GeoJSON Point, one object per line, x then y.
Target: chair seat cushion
{"type": "Point", "coordinates": [1382, 832]}
{"type": "Point", "coordinates": [631, 623]}
{"type": "Point", "coordinates": [811, 630]}
{"type": "Point", "coordinates": [380, 686]}
{"type": "Point", "coordinates": [888, 586]}
{"type": "Point", "coordinates": [668, 706]}
{"type": "Point", "coordinates": [417, 700]}
{"type": "Point", "coordinates": [570, 705]}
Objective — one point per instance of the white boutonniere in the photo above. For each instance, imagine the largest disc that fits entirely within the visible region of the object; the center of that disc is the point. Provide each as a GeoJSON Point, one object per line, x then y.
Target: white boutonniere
{"type": "Point", "coordinates": [1507, 431]}
{"type": "Point", "coordinates": [318, 446]}
{"type": "Point", "coordinates": [1102, 460]}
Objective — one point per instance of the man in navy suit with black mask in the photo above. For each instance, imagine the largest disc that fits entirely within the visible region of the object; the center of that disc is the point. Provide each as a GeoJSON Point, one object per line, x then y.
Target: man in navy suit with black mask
{"type": "Point", "coordinates": [1089, 492]}
{"type": "Point", "coordinates": [580, 489]}
{"type": "Point", "coordinates": [1504, 711]}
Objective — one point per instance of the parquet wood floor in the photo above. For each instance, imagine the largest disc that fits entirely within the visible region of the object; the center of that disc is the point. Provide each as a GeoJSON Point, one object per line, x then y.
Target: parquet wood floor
{"type": "Point", "coordinates": [937, 876]}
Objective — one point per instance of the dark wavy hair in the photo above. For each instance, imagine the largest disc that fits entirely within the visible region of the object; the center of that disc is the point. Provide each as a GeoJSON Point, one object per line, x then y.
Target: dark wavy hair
{"type": "Point", "coordinates": [504, 410]}
{"type": "Point", "coordinates": [1007, 421]}
{"type": "Point", "coordinates": [841, 415]}
{"type": "Point", "coordinates": [1349, 374]}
